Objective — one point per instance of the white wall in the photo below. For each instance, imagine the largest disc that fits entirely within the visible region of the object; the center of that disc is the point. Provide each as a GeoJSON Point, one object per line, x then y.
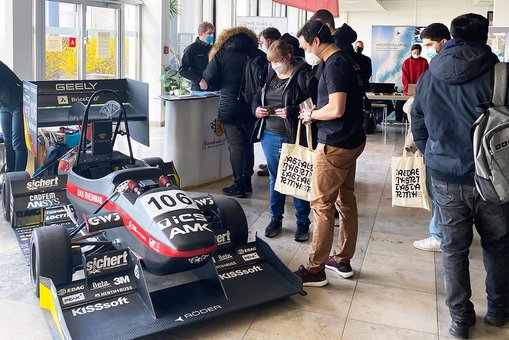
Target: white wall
{"type": "Point", "coordinates": [500, 13]}
{"type": "Point", "coordinates": [6, 32]}
{"type": "Point", "coordinates": [420, 13]}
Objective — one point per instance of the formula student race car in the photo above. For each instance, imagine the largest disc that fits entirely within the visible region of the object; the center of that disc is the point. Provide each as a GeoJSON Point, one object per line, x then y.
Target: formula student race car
{"type": "Point", "coordinates": [133, 216]}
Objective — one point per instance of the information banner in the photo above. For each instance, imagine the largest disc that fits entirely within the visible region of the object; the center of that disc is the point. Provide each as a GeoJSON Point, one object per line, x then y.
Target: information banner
{"type": "Point", "coordinates": [258, 24]}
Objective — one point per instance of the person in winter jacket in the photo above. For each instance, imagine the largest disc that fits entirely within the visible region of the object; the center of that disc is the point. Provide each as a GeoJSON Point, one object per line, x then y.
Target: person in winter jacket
{"type": "Point", "coordinates": [459, 79]}
{"type": "Point", "coordinates": [413, 67]}
{"type": "Point", "coordinates": [287, 85]}
{"type": "Point", "coordinates": [196, 55]}
{"type": "Point", "coordinates": [11, 119]}
{"type": "Point", "coordinates": [233, 48]}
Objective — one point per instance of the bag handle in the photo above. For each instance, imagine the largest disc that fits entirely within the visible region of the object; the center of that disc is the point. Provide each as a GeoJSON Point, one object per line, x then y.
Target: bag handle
{"type": "Point", "coordinates": [309, 138]}
{"type": "Point", "coordinates": [500, 85]}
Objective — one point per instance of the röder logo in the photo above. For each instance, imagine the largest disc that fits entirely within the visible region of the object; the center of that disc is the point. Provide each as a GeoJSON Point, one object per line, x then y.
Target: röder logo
{"type": "Point", "coordinates": [42, 183]}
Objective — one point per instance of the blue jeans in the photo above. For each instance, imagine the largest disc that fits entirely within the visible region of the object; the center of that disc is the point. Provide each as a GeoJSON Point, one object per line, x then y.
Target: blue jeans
{"type": "Point", "coordinates": [238, 137]}
{"type": "Point", "coordinates": [460, 207]}
{"type": "Point", "coordinates": [14, 139]}
{"type": "Point", "coordinates": [271, 144]}
{"type": "Point", "coordinates": [434, 228]}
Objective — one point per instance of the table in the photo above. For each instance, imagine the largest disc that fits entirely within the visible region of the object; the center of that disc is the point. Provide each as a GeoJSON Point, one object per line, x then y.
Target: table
{"type": "Point", "coordinates": [194, 139]}
{"type": "Point", "coordinates": [387, 97]}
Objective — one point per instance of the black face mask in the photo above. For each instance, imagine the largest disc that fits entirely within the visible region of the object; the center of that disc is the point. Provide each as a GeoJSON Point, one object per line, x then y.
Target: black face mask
{"type": "Point", "coordinates": [359, 49]}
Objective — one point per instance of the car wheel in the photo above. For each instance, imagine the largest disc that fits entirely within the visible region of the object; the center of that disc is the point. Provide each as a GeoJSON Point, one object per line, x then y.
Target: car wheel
{"type": "Point", "coordinates": [233, 217]}
{"type": "Point", "coordinates": [6, 190]}
{"type": "Point", "coordinates": [50, 256]}
{"type": "Point", "coordinates": [153, 161]}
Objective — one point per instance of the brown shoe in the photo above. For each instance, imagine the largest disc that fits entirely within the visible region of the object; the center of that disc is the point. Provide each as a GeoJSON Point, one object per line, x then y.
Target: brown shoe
{"type": "Point", "coordinates": [263, 172]}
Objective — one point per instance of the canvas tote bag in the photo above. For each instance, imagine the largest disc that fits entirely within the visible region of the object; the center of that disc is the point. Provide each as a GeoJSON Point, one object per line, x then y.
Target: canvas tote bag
{"type": "Point", "coordinates": [296, 167]}
{"type": "Point", "coordinates": [409, 181]}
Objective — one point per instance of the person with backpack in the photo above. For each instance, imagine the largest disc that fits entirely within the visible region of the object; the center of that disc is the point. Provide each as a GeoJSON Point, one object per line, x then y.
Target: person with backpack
{"type": "Point", "coordinates": [287, 84]}
{"type": "Point", "coordinates": [11, 119]}
{"type": "Point", "coordinates": [460, 79]}
{"type": "Point", "coordinates": [228, 58]}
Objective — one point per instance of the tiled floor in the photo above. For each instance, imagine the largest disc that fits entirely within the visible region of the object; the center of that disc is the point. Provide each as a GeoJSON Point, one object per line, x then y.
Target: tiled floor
{"type": "Point", "coordinates": [396, 293]}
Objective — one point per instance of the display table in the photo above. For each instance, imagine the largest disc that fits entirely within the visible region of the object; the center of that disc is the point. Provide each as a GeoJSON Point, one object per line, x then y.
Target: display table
{"type": "Point", "coordinates": [194, 140]}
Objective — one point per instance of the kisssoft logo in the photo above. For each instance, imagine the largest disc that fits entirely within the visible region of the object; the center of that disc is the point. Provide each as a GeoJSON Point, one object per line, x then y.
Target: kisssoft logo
{"type": "Point", "coordinates": [99, 306]}
{"type": "Point", "coordinates": [240, 272]}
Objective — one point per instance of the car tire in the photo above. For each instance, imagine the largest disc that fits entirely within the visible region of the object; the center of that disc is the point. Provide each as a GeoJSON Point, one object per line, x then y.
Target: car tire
{"type": "Point", "coordinates": [6, 190]}
{"type": "Point", "coordinates": [233, 217]}
{"type": "Point", "coordinates": [50, 256]}
{"type": "Point", "coordinates": [153, 161]}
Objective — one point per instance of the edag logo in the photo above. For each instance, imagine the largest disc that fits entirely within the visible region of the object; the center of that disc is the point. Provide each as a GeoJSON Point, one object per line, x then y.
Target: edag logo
{"type": "Point", "coordinates": [98, 265]}
{"type": "Point", "coordinates": [42, 183]}
{"type": "Point", "coordinates": [99, 306]}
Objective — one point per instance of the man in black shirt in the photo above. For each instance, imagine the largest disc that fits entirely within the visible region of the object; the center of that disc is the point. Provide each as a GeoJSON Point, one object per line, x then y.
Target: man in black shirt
{"type": "Point", "coordinates": [341, 140]}
{"type": "Point", "coordinates": [364, 63]}
{"type": "Point", "coordinates": [196, 56]}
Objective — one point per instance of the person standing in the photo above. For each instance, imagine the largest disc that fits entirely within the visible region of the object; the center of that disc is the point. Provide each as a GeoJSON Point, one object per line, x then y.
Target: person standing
{"type": "Point", "coordinates": [341, 140]}
{"type": "Point", "coordinates": [233, 48]}
{"type": "Point", "coordinates": [460, 79]}
{"type": "Point", "coordinates": [287, 84]}
{"type": "Point", "coordinates": [434, 37]}
{"type": "Point", "coordinates": [413, 67]}
{"type": "Point", "coordinates": [364, 63]}
{"type": "Point", "coordinates": [11, 119]}
{"type": "Point", "coordinates": [196, 56]}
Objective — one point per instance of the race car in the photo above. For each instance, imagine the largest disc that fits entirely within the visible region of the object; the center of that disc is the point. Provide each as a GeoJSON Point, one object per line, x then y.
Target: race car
{"type": "Point", "coordinates": [132, 216]}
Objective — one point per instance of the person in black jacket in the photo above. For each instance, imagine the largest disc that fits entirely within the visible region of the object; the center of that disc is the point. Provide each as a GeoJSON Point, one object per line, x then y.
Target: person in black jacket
{"type": "Point", "coordinates": [233, 48]}
{"type": "Point", "coordinates": [459, 79]}
{"type": "Point", "coordinates": [11, 119]}
{"type": "Point", "coordinates": [196, 55]}
{"type": "Point", "coordinates": [287, 84]}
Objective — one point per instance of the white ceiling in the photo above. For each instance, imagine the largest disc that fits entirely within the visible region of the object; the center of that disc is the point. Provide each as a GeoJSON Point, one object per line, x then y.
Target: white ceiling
{"type": "Point", "coordinates": [377, 5]}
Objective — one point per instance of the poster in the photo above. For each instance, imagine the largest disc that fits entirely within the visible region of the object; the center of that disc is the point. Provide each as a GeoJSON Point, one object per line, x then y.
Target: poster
{"type": "Point", "coordinates": [54, 43]}
{"type": "Point", "coordinates": [497, 43]}
{"type": "Point", "coordinates": [103, 45]}
{"type": "Point", "coordinates": [389, 49]}
{"type": "Point", "coordinates": [258, 24]}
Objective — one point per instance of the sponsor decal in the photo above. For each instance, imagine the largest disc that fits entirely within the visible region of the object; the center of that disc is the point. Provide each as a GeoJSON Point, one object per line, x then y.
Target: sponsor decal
{"type": "Point", "coordinates": [204, 201]}
{"type": "Point", "coordinates": [137, 271]}
{"type": "Point", "coordinates": [240, 272]}
{"type": "Point", "coordinates": [43, 203]}
{"type": "Point", "coordinates": [188, 217]}
{"type": "Point", "coordinates": [100, 285]}
{"type": "Point", "coordinates": [73, 298]}
{"type": "Point", "coordinates": [104, 218]}
{"type": "Point", "coordinates": [154, 244]}
{"type": "Point", "coordinates": [212, 143]}
{"type": "Point", "coordinates": [250, 256]}
{"type": "Point", "coordinates": [134, 228]}
{"type": "Point", "coordinates": [224, 238]}
{"type": "Point", "coordinates": [99, 306]}
{"type": "Point", "coordinates": [63, 99]}
{"type": "Point", "coordinates": [89, 196]}
{"type": "Point", "coordinates": [55, 217]}
{"type": "Point", "coordinates": [114, 291]}
{"type": "Point", "coordinates": [186, 229]}
{"type": "Point", "coordinates": [160, 202]}
{"type": "Point", "coordinates": [120, 280]}
{"type": "Point", "coordinates": [75, 86]}
{"type": "Point", "coordinates": [106, 262]}
{"type": "Point", "coordinates": [198, 259]}
{"type": "Point", "coordinates": [222, 257]}
{"type": "Point", "coordinates": [42, 183]}
{"type": "Point", "coordinates": [63, 291]}
{"type": "Point", "coordinates": [226, 265]}
{"type": "Point", "coordinates": [245, 250]}
{"type": "Point", "coordinates": [43, 196]}
{"type": "Point", "coordinates": [198, 312]}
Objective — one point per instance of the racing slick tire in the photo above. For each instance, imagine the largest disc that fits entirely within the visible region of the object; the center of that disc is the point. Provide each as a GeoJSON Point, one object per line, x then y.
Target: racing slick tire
{"type": "Point", "coordinates": [233, 217]}
{"type": "Point", "coordinates": [50, 256]}
{"type": "Point", "coordinates": [153, 161]}
{"type": "Point", "coordinates": [6, 190]}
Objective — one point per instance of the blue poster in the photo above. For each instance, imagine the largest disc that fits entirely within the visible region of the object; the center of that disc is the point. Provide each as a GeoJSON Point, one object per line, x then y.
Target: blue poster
{"type": "Point", "coordinates": [389, 49]}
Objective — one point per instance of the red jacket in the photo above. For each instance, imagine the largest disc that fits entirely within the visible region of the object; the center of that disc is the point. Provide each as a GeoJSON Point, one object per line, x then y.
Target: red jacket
{"type": "Point", "coordinates": [412, 70]}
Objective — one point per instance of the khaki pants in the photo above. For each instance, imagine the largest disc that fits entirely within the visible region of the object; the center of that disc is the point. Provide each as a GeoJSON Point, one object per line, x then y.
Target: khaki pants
{"type": "Point", "coordinates": [332, 189]}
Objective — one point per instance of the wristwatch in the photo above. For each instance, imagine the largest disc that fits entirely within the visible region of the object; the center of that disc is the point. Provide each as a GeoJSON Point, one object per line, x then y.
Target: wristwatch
{"type": "Point", "coordinates": [310, 112]}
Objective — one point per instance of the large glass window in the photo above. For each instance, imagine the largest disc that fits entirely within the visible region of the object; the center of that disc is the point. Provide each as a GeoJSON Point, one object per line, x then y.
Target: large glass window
{"type": "Point", "coordinates": [131, 41]}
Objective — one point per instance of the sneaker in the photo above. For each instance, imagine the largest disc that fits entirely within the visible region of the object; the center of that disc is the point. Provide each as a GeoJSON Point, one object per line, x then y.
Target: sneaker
{"type": "Point", "coordinates": [343, 269]}
{"type": "Point", "coordinates": [262, 166]}
{"type": "Point", "coordinates": [311, 279]}
{"type": "Point", "coordinates": [263, 172]}
{"type": "Point", "coordinates": [302, 232]}
{"type": "Point", "coordinates": [274, 228]}
{"type": "Point", "coordinates": [428, 244]}
{"type": "Point", "coordinates": [234, 192]}
{"type": "Point", "coordinates": [496, 320]}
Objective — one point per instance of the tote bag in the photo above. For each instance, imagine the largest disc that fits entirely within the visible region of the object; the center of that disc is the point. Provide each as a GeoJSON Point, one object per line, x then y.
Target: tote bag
{"type": "Point", "coordinates": [296, 167]}
{"type": "Point", "coordinates": [409, 181]}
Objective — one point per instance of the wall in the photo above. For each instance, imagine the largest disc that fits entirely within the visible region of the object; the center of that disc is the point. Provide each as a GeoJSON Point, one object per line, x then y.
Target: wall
{"type": "Point", "coordinates": [500, 10]}
{"type": "Point", "coordinates": [6, 32]}
{"type": "Point", "coordinates": [420, 13]}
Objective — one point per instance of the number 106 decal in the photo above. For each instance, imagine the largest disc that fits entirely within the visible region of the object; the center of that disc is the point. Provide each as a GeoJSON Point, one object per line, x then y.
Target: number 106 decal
{"type": "Point", "coordinates": [158, 203]}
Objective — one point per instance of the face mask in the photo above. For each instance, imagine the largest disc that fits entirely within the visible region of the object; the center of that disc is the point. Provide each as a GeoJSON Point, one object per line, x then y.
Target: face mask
{"type": "Point", "coordinates": [415, 56]}
{"type": "Point", "coordinates": [265, 48]}
{"type": "Point", "coordinates": [431, 52]}
{"type": "Point", "coordinates": [280, 67]}
{"type": "Point", "coordinates": [359, 49]}
{"type": "Point", "coordinates": [312, 59]}
{"type": "Point", "coordinates": [209, 39]}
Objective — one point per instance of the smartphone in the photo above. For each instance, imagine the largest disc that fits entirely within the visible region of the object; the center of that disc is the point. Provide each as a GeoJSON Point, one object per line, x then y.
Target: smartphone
{"type": "Point", "coordinates": [270, 109]}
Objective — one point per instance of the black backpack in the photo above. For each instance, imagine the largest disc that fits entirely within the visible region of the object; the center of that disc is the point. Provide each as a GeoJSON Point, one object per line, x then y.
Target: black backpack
{"type": "Point", "coordinates": [255, 72]}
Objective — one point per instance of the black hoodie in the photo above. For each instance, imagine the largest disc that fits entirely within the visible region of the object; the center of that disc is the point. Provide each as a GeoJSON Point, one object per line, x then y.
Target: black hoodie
{"type": "Point", "coordinates": [458, 80]}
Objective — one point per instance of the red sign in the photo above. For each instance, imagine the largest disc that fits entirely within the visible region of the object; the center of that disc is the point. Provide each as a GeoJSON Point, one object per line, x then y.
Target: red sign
{"type": "Point", "coordinates": [72, 42]}
{"type": "Point", "coordinates": [313, 5]}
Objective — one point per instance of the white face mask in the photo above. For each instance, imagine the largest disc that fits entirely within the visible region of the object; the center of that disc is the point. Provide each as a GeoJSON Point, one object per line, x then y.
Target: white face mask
{"type": "Point", "coordinates": [280, 67]}
{"type": "Point", "coordinates": [312, 59]}
{"type": "Point", "coordinates": [264, 48]}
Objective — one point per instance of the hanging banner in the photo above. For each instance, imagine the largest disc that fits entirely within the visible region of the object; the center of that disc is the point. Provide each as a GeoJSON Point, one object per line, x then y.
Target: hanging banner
{"type": "Point", "coordinates": [313, 5]}
{"type": "Point", "coordinates": [258, 24]}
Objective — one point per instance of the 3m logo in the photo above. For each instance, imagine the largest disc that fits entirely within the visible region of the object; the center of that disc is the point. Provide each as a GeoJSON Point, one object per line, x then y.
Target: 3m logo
{"type": "Point", "coordinates": [99, 306]}
{"type": "Point", "coordinates": [121, 280]}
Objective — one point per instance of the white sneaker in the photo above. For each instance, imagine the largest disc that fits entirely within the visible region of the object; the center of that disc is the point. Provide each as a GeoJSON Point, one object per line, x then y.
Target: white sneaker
{"type": "Point", "coordinates": [428, 244]}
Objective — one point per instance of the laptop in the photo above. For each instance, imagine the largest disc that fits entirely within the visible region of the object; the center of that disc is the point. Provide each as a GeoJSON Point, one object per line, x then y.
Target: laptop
{"type": "Point", "coordinates": [386, 88]}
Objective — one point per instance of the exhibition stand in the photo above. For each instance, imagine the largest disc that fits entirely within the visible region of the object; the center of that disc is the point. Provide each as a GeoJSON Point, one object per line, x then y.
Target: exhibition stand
{"type": "Point", "coordinates": [194, 138]}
